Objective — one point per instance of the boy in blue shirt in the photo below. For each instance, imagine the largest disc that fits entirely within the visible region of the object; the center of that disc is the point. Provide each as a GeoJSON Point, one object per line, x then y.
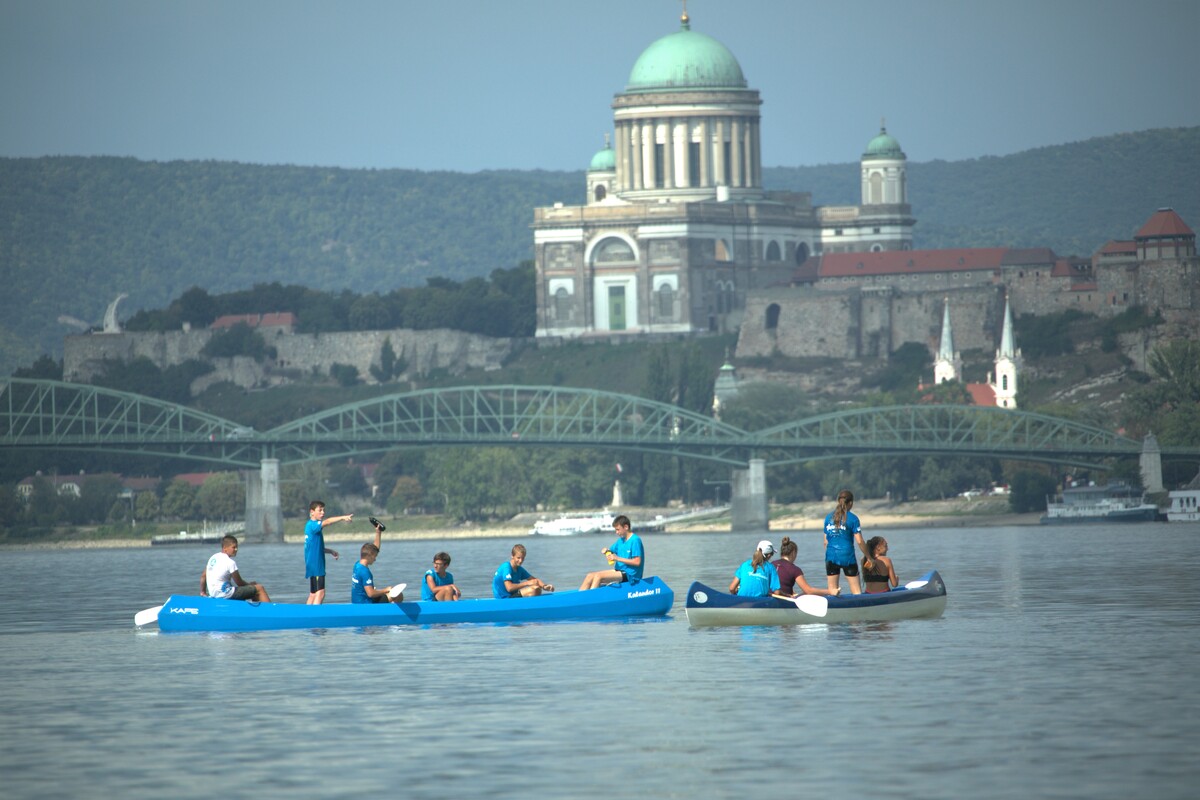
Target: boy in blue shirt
{"type": "Point", "coordinates": [626, 558]}
{"type": "Point", "coordinates": [362, 582]}
{"type": "Point", "coordinates": [513, 580]}
{"type": "Point", "coordinates": [315, 550]}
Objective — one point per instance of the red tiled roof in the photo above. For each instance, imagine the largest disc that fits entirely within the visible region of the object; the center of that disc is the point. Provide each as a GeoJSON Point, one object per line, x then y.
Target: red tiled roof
{"type": "Point", "coordinates": [1114, 248]}
{"type": "Point", "coordinates": [1028, 256]}
{"type": "Point", "coordinates": [196, 479]}
{"type": "Point", "coordinates": [274, 319]}
{"type": "Point", "coordinates": [142, 484]}
{"type": "Point", "coordinates": [1071, 268]}
{"type": "Point", "coordinates": [1164, 223]}
{"type": "Point", "coordinates": [981, 394]}
{"type": "Point", "coordinates": [279, 318]}
{"type": "Point", "coordinates": [897, 262]}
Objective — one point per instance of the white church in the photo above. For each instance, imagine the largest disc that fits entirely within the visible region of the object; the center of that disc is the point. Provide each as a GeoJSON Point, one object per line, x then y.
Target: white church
{"type": "Point", "coordinates": [677, 227]}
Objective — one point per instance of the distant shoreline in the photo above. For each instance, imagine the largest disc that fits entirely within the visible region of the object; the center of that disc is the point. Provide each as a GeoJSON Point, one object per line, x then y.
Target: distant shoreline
{"type": "Point", "coordinates": [875, 515]}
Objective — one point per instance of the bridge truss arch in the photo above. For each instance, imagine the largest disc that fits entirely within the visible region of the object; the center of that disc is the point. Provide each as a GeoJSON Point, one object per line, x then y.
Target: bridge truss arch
{"type": "Point", "coordinates": [544, 416]}
{"type": "Point", "coordinates": [41, 414]}
{"type": "Point", "coordinates": [942, 430]}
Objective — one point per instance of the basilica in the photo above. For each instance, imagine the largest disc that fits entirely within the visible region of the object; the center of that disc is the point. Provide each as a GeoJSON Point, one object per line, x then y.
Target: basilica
{"type": "Point", "coordinates": [677, 227]}
{"type": "Point", "coordinates": [678, 236]}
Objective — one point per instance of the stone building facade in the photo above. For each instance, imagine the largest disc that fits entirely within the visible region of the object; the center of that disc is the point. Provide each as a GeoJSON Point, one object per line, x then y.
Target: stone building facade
{"type": "Point", "coordinates": [860, 305]}
{"type": "Point", "coordinates": [677, 227]}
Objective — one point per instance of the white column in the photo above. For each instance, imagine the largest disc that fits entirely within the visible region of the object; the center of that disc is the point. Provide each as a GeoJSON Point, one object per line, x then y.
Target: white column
{"type": "Point", "coordinates": [735, 152]}
{"type": "Point", "coordinates": [669, 154]}
{"type": "Point", "coordinates": [719, 154]}
{"type": "Point", "coordinates": [636, 144]}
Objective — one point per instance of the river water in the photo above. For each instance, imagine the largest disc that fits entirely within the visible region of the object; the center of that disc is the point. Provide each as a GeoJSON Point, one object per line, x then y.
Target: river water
{"type": "Point", "coordinates": [1061, 668]}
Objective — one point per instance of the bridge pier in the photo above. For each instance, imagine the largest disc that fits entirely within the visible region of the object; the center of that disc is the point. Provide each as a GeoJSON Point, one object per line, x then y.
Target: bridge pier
{"type": "Point", "coordinates": [748, 510]}
{"type": "Point", "coordinates": [264, 516]}
{"type": "Point", "coordinates": [1151, 464]}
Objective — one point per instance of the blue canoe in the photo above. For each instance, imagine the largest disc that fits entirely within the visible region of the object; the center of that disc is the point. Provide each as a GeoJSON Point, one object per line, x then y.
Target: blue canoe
{"type": "Point", "coordinates": [925, 597]}
{"type": "Point", "coordinates": [648, 597]}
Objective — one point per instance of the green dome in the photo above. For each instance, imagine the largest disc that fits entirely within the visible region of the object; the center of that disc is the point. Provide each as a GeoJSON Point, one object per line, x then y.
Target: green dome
{"type": "Point", "coordinates": [883, 146]}
{"type": "Point", "coordinates": [685, 60]}
{"type": "Point", "coordinates": [605, 159]}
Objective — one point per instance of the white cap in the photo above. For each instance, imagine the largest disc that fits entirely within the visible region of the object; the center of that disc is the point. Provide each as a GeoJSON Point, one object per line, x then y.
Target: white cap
{"type": "Point", "coordinates": [766, 548]}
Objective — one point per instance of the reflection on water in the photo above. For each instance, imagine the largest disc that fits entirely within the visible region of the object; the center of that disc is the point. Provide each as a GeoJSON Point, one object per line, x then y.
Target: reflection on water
{"type": "Point", "coordinates": [1056, 671]}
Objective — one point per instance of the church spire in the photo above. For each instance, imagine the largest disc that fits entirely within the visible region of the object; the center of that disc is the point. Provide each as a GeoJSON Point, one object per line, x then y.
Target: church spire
{"type": "Point", "coordinates": [1007, 348]}
{"type": "Point", "coordinates": [948, 364]}
{"type": "Point", "coordinates": [946, 350]}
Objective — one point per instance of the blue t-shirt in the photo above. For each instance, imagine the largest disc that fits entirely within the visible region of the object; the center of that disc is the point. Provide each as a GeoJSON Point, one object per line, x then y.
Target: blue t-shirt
{"type": "Point", "coordinates": [361, 579]}
{"type": "Point", "coordinates": [757, 582]}
{"type": "Point", "coordinates": [839, 542]}
{"type": "Point", "coordinates": [630, 548]}
{"type": "Point", "coordinates": [426, 592]}
{"type": "Point", "coordinates": [506, 572]}
{"type": "Point", "coordinates": [314, 549]}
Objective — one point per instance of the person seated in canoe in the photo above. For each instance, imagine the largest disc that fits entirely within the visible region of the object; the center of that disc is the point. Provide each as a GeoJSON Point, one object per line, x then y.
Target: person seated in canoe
{"type": "Point", "coordinates": [756, 577]}
{"type": "Point", "coordinates": [842, 532]}
{"type": "Point", "coordinates": [513, 580]}
{"type": "Point", "coordinates": [790, 575]}
{"type": "Point", "coordinates": [221, 577]}
{"type": "Point", "coordinates": [626, 558]}
{"type": "Point", "coordinates": [439, 584]}
{"type": "Point", "coordinates": [880, 576]}
{"type": "Point", "coordinates": [362, 582]}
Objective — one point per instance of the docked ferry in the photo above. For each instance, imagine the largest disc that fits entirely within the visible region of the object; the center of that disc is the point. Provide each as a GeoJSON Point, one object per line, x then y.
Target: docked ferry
{"type": "Point", "coordinates": [1114, 502]}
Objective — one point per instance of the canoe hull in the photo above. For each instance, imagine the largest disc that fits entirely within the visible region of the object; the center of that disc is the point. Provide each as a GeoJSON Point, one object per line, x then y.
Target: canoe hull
{"type": "Point", "coordinates": [708, 607]}
{"type": "Point", "coordinates": [649, 597]}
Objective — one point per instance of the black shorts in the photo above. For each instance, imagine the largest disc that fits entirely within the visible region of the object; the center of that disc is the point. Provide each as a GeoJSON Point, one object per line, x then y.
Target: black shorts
{"type": "Point", "coordinates": [851, 570]}
{"type": "Point", "coordinates": [624, 577]}
{"type": "Point", "coordinates": [247, 592]}
{"type": "Point", "coordinates": [316, 584]}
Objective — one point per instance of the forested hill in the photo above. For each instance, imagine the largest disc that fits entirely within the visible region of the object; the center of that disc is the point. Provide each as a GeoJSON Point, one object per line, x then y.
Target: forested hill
{"type": "Point", "coordinates": [75, 232]}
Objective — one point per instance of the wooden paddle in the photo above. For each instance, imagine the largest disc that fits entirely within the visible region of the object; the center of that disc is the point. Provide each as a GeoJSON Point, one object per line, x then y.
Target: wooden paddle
{"type": "Point", "coordinates": [147, 616]}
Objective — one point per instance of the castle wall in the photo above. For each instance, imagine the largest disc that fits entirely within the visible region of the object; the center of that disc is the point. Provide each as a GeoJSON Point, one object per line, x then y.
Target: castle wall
{"type": "Point", "coordinates": [860, 323]}
{"type": "Point", "coordinates": [425, 351]}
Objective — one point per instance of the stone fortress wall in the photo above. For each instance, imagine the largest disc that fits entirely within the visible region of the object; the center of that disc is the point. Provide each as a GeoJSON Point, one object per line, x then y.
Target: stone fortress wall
{"type": "Point", "coordinates": [296, 353]}
{"type": "Point", "coordinates": [851, 319]}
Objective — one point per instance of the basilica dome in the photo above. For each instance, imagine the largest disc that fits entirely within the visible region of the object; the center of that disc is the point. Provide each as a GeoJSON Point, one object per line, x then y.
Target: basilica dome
{"type": "Point", "coordinates": [883, 146]}
{"type": "Point", "coordinates": [685, 60]}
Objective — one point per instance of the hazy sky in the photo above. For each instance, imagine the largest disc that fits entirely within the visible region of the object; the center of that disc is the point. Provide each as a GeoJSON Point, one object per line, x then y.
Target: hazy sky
{"type": "Point", "coordinates": [496, 84]}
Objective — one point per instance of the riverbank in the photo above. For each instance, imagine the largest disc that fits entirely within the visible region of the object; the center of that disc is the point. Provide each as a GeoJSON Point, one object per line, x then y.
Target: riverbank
{"type": "Point", "coordinates": [876, 514]}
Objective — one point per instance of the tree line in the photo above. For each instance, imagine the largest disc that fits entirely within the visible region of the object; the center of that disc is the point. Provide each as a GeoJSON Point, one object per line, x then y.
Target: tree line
{"type": "Point", "coordinates": [75, 232]}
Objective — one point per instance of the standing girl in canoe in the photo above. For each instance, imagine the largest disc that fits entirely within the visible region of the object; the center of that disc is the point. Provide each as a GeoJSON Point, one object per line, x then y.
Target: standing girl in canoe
{"type": "Point", "coordinates": [756, 577]}
{"type": "Point", "coordinates": [842, 532]}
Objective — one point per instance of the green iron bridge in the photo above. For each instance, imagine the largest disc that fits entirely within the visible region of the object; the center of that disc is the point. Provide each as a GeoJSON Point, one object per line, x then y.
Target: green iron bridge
{"type": "Point", "coordinates": [49, 415]}
{"type": "Point", "coordinates": [54, 415]}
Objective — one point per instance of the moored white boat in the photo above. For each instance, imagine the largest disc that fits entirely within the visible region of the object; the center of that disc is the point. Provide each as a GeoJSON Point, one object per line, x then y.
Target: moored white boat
{"type": "Point", "coordinates": [1185, 505]}
{"type": "Point", "coordinates": [1112, 503]}
{"type": "Point", "coordinates": [573, 524]}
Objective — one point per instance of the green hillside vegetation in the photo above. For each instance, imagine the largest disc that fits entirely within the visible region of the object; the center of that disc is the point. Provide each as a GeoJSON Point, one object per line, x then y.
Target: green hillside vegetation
{"type": "Point", "coordinates": [75, 232]}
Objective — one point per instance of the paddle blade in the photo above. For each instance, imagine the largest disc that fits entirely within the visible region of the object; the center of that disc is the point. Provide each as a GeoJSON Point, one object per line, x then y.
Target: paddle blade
{"type": "Point", "coordinates": [395, 591]}
{"type": "Point", "coordinates": [813, 604]}
{"type": "Point", "coordinates": [147, 616]}
{"type": "Point", "coordinates": [915, 584]}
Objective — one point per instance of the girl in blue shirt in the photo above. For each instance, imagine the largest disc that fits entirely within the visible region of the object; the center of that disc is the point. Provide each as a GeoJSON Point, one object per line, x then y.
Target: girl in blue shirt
{"type": "Point", "coordinates": [756, 577]}
{"type": "Point", "coordinates": [842, 532]}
